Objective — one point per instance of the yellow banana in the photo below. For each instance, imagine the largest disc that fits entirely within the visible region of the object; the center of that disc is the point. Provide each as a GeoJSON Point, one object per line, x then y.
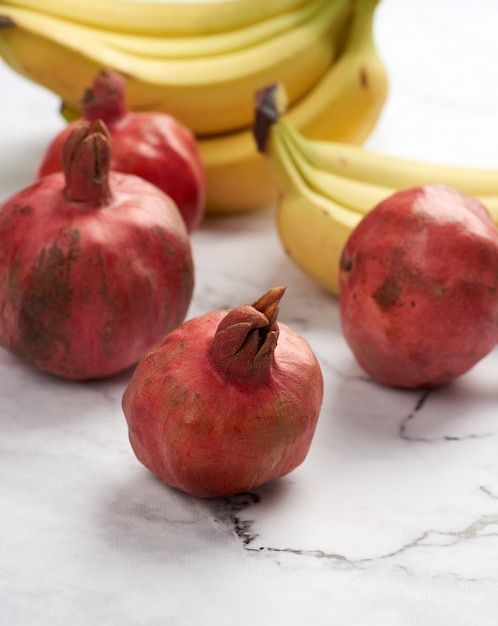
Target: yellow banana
{"type": "Point", "coordinates": [313, 229]}
{"type": "Point", "coordinates": [155, 18]}
{"type": "Point", "coordinates": [491, 203]}
{"type": "Point", "coordinates": [362, 195]}
{"type": "Point", "coordinates": [175, 47]}
{"type": "Point", "coordinates": [208, 94]}
{"type": "Point", "coordinates": [317, 209]}
{"type": "Point", "coordinates": [355, 194]}
{"type": "Point", "coordinates": [367, 166]}
{"type": "Point", "coordinates": [344, 106]}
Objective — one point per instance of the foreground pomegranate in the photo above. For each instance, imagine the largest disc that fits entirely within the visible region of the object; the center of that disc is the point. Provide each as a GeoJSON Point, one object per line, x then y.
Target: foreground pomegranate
{"type": "Point", "coordinates": [154, 146]}
{"type": "Point", "coordinates": [95, 266]}
{"type": "Point", "coordinates": [226, 402]}
{"type": "Point", "coordinates": [419, 287]}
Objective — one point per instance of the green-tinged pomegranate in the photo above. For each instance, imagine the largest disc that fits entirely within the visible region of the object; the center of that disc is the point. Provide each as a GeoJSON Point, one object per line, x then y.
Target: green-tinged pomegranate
{"type": "Point", "coordinates": [95, 266]}
{"type": "Point", "coordinates": [226, 402]}
{"type": "Point", "coordinates": [419, 287]}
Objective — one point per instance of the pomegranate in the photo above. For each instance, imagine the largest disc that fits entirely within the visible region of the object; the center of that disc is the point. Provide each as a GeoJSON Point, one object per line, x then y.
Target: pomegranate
{"type": "Point", "coordinates": [226, 402]}
{"type": "Point", "coordinates": [419, 287]}
{"type": "Point", "coordinates": [95, 266]}
{"type": "Point", "coordinates": [154, 146]}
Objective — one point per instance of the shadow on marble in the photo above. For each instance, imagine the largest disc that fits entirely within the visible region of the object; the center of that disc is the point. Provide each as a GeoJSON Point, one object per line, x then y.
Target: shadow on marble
{"type": "Point", "coordinates": [35, 399]}
{"type": "Point", "coordinates": [370, 410]}
{"type": "Point", "coordinates": [139, 512]}
{"type": "Point", "coordinates": [143, 515]}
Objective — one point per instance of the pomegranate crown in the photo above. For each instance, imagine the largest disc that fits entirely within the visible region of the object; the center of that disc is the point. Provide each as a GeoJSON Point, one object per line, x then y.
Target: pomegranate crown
{"type": "Point", "coordinates": [105, 99]}
{"type": "Point", "coordinates": [246, 338]}
{"type": "Point", "coordinates": [86, 159]}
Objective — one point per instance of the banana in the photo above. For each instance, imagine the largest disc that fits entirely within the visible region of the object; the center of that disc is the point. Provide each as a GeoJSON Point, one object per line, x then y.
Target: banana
{"type": "Point", "coordinates": [374, 168]}
{"type": "Point", "coordinates": [355, 194]}
{"type": "Point", "coordinates": [346, 103]}
{"type": "Point", "coordinates": [312, 228]}
{"type": "Point", "coordinates": [361, 195]}
{"type": "Point", "coordinates": [175, 47]}
{"type": "Point", "coordinates": [344, 106]}
{"type": "Point", "coordinates": [165, 18]}
{"type": "Point", "coordinates": [208, 94]}
{"type": "Point", "coordinates": [317, 208]}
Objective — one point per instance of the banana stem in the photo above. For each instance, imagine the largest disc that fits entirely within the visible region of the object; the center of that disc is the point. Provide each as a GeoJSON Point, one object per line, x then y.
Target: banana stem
{"type": "Point", "coordinates": [6, 22]}
{"type": "Point", "coordinates": [270, 104]}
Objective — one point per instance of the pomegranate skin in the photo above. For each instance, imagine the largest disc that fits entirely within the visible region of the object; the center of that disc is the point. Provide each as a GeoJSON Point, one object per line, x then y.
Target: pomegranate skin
{"type": "Point", "coordinates": [154, 146]}
{"type": "Point", "coordinates": [209, 436]}
{"type": "Point", "coordinates": [86, 291]}
{"type": "Point", "coordinates": [419, 287]}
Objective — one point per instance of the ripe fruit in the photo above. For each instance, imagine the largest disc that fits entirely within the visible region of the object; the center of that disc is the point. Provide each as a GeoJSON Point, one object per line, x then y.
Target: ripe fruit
{"type": "Point", "coordinates": [419, 287]}
{"type": "Point", "coordinates": [95, 266]}
{"type": "Point", "coordinates": [154, 146]}
{"type": "Point", "coordinates": [226, 402]}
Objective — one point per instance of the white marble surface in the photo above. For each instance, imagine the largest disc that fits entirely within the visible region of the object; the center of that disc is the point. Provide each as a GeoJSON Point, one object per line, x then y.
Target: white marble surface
{"type": "Point", "coordinates": [392, 520]}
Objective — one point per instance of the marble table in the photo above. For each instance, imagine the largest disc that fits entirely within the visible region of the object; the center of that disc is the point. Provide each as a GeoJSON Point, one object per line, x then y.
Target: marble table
{"type": "Point", "coordinates": [392, 520]}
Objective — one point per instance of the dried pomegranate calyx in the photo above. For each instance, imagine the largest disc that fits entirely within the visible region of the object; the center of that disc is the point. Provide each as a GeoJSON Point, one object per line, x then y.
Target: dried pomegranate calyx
{"type": "Point", "coordinates": [245, 339]}
{"type": "Point", "coordinates": [86, 162]}
{"type": "Point", "coordinates": [105, 99]}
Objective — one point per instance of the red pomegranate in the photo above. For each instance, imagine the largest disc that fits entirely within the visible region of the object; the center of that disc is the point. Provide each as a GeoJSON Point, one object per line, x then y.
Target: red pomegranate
{"type": "Point", "coordinates": [419, 287]}
{"type": "Point", "coordinates": [225, 402]}
{"type": "Point", "coordinates": [154, 146]}
{"type": "Point", "coordinates": [95, 266]}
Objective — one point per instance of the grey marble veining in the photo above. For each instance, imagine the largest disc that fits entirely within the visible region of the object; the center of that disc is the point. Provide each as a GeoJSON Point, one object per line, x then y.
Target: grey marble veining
{"type": "Point", "coordinates": [393, 517]}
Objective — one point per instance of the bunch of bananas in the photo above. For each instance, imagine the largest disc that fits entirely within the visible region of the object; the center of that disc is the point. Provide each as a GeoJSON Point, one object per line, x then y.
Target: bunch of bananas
{"type": "Point", "coordinates": [326, 187]}
{"type": "Point", "coordinates": [203, 62]}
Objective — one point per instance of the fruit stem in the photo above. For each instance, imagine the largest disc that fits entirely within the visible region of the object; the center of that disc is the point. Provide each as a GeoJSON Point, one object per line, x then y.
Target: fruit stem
{"type": "Point", "coordinates": [6, 22]}
{"type": "Point", "coordinates": [86, 161]}
{"type": "Point", "coordinates": [105, 99]}
{"type": "Point", "coordinates": [245, 340]}
{"type": "Point", "coordinates": [270, 104]}
{"type": "Point", "coordinates": [362, 36]}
